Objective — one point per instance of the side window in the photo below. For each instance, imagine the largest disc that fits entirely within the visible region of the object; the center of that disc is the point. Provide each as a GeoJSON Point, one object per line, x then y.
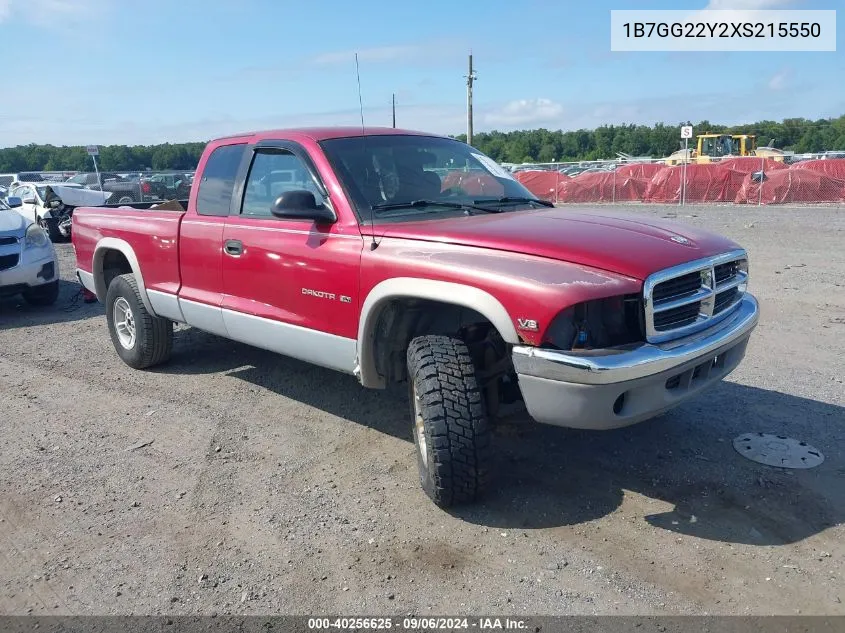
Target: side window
{"type": "Point", "coordinates": [24, 192]}
{"type": "Point", "coordinates": [272, 174]}
{"type": "Point", "coordinates": [218, 180]}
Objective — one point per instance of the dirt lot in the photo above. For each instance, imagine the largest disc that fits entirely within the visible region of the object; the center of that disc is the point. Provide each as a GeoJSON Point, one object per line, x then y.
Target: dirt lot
{"type": "Point", "coordinates": [270, 486]}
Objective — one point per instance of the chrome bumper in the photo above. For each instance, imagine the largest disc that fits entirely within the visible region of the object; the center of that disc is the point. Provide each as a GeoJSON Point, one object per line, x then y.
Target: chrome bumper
{"type": "Point", "coordinates": [613, 388]}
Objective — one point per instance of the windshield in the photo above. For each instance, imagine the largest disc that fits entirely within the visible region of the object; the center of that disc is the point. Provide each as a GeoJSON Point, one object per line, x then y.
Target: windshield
{"type": "Point", "coordinates": [383, 174]}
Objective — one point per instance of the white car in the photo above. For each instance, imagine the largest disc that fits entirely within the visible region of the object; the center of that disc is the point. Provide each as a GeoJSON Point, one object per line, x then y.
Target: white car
{"type": "Point", "coordinates": [45, 204]}
{"type": "Point", "coordinates": [28, 263]}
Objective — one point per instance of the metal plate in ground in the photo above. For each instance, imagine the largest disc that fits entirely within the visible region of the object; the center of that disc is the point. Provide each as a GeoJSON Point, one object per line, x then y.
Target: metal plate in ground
{"type": "Point", "coordinates": [777, 450]}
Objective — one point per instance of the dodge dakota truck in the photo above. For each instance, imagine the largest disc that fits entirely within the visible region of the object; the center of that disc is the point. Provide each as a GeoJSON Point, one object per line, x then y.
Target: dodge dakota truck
{"type": "Point", "coordinates": [341, 247]}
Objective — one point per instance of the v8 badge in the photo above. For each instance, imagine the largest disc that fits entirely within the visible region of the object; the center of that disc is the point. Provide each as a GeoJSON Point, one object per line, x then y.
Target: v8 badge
{"type": "Point", "coordinates": [530, 325]}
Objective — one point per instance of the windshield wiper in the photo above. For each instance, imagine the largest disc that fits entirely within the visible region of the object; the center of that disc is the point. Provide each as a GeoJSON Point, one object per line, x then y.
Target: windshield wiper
{"type": "Point", "coordinates": [515, 200]}
{"type": "Point", "coordinates": [413, 204]}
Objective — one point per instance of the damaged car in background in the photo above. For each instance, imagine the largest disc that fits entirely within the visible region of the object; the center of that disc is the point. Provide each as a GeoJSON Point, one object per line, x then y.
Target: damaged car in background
{"type": "Point", "coordinates": [51, 206]}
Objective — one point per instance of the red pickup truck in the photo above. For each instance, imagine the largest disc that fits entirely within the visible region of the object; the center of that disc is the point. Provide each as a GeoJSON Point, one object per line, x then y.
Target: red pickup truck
{"type": "Point", "coordinates": [399, 256]}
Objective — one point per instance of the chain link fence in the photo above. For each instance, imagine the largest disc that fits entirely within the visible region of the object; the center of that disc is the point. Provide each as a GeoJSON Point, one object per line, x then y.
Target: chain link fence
{"type": "Point", "coordinates": [748, 180]}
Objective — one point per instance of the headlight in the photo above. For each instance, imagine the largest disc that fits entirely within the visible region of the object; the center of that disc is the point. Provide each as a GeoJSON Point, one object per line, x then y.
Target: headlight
{"type": "Point", "coordinates": [598, 324]}
{"type": "Point", "coordinates": [35, 237]}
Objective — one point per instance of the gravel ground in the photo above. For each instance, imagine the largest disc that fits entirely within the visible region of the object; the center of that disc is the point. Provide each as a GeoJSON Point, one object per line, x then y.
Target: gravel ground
{"type": "Point", "coordinates": [235, 481]}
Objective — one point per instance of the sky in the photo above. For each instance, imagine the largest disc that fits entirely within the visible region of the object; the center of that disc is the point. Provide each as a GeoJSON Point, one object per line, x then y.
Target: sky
{"type": "Point", "coordinates": [113, 71]}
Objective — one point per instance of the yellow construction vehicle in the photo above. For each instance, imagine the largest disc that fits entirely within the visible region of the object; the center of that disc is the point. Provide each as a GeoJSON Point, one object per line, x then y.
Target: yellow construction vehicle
{"type": "Point", "coordinates": [714, 147]}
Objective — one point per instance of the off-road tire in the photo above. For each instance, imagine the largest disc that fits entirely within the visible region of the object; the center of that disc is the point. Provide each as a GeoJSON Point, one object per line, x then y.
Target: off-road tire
{"type": "Point", "coordinates": [43, 295]}
{"type": "Point", "coordinates": [125, 198]}
{"type": "Point", "coordinates": [51, 225]}
{"type": "Point", "coordinates": [153, 335]}
{"type": "Point", "coordinates": [453, 420]}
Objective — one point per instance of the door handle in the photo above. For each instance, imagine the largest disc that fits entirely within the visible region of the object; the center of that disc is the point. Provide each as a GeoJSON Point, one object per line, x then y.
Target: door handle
{"type": "Point", "coordinates": [234, 248]}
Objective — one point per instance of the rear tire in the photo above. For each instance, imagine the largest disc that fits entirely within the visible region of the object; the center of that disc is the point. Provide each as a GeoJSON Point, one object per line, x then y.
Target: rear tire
{"type": "Point", "coordinates": [126, 198]}
{"type": "Point", "coordinates": [43, 295]}
{"type": "Point", "coordinates": [140, 339]}
{"type": "Point", "coordinates": [450, 427]}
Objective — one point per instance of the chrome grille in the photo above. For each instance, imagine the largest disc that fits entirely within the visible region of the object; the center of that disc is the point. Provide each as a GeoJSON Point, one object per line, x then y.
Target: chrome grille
{"type": "Point", "coordinates": [677, 287]}
{"type": "Point", "coordinates": [691, 297]}
{"type": "Point", "coordinates": [725, 300]}
{"type": "Point", "coordinates": [677, 317]}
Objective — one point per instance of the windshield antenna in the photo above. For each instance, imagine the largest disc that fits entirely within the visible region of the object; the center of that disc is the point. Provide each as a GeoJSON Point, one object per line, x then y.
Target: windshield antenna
{"type": "Point", "coordinates": [373, 244]}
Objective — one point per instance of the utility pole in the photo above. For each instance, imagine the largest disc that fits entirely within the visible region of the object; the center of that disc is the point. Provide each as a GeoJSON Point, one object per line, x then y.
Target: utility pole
{"type": "Point", "coordinates": [394, 109]}
{"type": "Point", "coordinates": [471, 77]}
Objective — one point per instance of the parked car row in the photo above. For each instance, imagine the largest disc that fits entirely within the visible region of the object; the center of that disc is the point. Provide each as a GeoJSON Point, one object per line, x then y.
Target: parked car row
{"type": "Point", "coordinates": [49, 203]}
{"type": "Point", "coordinates": [137, 187]}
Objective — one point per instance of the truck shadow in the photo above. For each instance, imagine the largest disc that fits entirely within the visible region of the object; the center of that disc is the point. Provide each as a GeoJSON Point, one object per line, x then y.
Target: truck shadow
{"type": "Point", "coordinates": [16, 313]}
{"type": "Point", "coordinates": [685, 459]}
{"type": "Point", "coordinates": [546, 477]}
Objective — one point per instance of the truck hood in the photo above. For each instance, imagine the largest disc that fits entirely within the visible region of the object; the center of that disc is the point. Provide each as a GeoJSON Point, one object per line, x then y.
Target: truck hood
{"type": "Point", "coordinates": [12, 223]}
{"type": "Point", "coordinates": [623, 243]}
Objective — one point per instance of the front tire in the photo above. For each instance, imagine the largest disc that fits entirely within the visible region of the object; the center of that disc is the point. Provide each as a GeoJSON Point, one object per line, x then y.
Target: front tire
{"type": "Point", "coordinates": [140, 339]}
{"type": "Point", "coordinates": [43, 295]}
{"type": "Point", "coordinates": [450, 427]}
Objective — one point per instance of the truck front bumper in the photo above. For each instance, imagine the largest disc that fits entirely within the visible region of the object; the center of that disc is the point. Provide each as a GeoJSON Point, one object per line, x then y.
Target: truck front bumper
{"type": "Point", "coordinates": [607, 389]}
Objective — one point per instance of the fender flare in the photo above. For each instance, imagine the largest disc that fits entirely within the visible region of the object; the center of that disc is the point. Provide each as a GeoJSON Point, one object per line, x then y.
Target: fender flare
{"type": "Point", "coordinates": [116, 244]}
{"type": "Point", "coordinates": [411, 287]}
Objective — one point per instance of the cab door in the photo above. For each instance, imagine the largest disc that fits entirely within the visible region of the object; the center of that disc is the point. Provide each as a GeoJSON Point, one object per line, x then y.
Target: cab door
{"type": "Point", "coordinates": [290, 285]}
{"type": "Point", "coordinates": [200, 294]}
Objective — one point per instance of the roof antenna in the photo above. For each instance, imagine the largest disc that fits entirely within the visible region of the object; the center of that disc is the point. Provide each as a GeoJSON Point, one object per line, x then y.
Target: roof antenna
{"type": "Point", "coordinates": [373, 244]}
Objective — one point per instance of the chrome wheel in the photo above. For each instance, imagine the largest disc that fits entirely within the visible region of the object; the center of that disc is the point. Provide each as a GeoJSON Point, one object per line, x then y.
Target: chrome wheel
{"type": "Point", "coordinates": [124, 323]}
{"type": "Point", "coordinates": [419, 428]}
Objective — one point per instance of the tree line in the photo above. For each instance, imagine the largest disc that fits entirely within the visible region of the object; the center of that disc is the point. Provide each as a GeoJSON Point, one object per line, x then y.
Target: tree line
{"type": "Point", "coordinates": [546, 146]}
{"type": "Point", "coordinates": [522, 146]}
{"type": "Point", "coordinates": [112, 157]}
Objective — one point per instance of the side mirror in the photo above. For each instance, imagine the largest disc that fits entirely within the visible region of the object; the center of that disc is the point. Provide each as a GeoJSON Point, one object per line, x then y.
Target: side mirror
{"type": "Point", "coordinates": [300, 204]}
{"type": "Point", "coordinates": [14, 202]}
{"type": "Point", "coordinates": [29, 201]}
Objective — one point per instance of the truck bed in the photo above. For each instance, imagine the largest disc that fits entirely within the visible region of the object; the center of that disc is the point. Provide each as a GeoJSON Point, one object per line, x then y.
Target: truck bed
{"type": "Point", "coordinates": [163, 205]}
{"type": "Point", "coordinates": [153, 234]}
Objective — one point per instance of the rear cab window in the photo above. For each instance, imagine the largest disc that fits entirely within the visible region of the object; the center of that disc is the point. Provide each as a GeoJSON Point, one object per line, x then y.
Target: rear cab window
{"type": "Point", "coordinates": [214, 194]}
